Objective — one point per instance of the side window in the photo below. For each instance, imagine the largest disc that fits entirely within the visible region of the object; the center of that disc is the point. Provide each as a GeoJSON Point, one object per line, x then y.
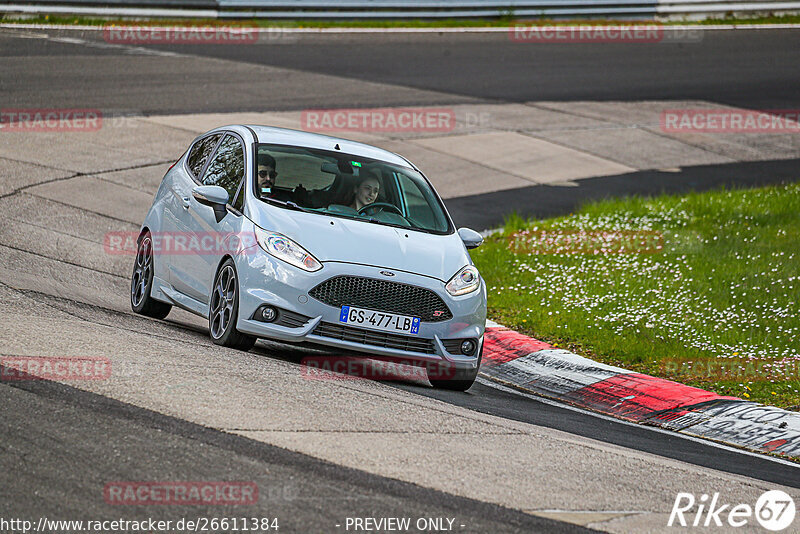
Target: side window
{"type": "Point", "coordinates": [418, 203]}
{"type": "Point", "coordinates": [200, 152]}
{"type": "Point", "coordinates": [227, 169]}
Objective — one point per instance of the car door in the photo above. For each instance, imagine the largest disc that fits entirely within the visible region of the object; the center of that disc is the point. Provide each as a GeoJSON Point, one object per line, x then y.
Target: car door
{"type": "Point", "coordinates": [215, 238]}
{"type": "Point", "coordinates": [177, 222]}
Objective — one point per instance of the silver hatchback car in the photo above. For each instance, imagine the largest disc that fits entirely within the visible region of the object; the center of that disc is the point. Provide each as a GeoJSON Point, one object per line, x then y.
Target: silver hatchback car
{"type": "Point", "coordinates": [305, 238]}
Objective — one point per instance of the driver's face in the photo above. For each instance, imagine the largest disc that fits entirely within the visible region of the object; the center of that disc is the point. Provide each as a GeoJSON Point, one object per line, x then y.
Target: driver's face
{"type": "Point", "coordinates": [367, 192]}
{"type": "Point", "coordinates": [266, 176]}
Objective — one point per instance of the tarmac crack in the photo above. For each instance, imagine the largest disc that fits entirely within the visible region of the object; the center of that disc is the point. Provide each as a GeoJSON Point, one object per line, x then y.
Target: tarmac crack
{"type": "Point", "coordinates": [111, 217]}
{"type": "Point", "coordinates": [646, 127]}
{"type": "Point", "coordinates": [604, 157]}
{"type": "Point", "coordinates": [76, 175]}
{"type": "Point", "coordinates": [50, 229]}
{"type": "Point", "coordinates": [572, 113]}
{"type": "Point", "coordinates": [478, 163]}
{"type": "Point", "coordinates": [45, 182]}
{"type": "Point", "coordinates": [42, 298]}
{"type": "Point", "coordinates": [696, 146]}
{"type": "Point", "coordinates": [36, 164]}
{"type": "Point", "coordinates": [40, 255]}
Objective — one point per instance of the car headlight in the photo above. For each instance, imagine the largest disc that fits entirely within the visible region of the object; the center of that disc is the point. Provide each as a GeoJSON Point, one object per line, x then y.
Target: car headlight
{"type": "Point", "coordinates": [287, 250]}
{"type": "Point", "coordinates": [464, 281]}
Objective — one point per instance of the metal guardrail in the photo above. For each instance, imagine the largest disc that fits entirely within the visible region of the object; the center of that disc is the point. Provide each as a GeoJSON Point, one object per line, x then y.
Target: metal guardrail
{"type": "Point", "coordinates": [408, 9]}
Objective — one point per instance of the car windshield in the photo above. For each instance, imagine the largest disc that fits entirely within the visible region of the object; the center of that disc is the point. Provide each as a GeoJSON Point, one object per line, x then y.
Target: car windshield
{"type": "Point", "coordinates": [345, 185]}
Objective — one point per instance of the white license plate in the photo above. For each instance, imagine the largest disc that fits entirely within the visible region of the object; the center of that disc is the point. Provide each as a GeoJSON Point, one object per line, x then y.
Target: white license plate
{"type": "Point", "coordinates": [388, 322]}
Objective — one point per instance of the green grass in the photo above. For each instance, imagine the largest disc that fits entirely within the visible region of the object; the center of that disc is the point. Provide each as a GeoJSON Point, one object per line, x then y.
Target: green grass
{"type": "Point", "coordinates": [723, 289]}
{"type": "Point", "coordinates": [388, 23]}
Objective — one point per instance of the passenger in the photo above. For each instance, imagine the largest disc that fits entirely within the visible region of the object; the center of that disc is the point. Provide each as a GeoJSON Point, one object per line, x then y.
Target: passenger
{"type": "Point", "coordinates": [266, 174]}
{"type": "Point", "coordinates": [366, 191]}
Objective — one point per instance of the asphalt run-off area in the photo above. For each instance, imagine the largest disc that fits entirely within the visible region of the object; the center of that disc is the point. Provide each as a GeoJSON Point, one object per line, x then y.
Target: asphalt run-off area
{"type": "Point", "coordinates": [498, 125]}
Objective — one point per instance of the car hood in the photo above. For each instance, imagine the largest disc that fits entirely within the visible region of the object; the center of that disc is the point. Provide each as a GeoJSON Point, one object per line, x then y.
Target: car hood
{"type": "Point", "coordinates": [351, 241]}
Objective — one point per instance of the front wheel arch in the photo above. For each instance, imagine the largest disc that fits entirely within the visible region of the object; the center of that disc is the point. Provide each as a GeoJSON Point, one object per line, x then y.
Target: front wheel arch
{"type": "Point", "coordinates": [230, 337]}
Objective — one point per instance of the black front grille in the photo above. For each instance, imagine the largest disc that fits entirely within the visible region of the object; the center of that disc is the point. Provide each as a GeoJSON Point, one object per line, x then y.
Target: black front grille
{"type": "Point", "coordinates": [376, 339]}
{"type": "Point", "coordinates": [382, 295]}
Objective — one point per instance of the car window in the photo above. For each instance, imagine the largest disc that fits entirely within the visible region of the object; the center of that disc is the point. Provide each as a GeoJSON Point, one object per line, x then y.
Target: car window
{"type": "Point", "coordinates": [227, 168]}
{"type": "Point", "coordinates": [346, 185]}
{"type": "Point", "coordinates": [420, 203]}
{"type": "Point", "coordinates": [200, 152]}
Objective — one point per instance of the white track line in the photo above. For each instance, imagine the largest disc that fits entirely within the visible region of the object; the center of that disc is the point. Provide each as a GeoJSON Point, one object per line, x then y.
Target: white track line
{"type": "Point", "coordinates": [550, 402]}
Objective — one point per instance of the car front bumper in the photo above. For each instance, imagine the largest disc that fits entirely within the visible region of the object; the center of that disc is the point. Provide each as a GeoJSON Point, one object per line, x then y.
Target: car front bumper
{"type": "Point", "coordinates": [264, 279]}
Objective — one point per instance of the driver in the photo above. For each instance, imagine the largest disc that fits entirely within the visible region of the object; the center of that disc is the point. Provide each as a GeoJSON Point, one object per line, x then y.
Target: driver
{"type": "Point", "coordinates": [366, 191]}
{"type": "Point", "coordinates": [266, 174]}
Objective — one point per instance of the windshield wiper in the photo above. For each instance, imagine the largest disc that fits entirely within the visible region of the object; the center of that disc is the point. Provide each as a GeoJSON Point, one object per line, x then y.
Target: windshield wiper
{"type": "Point", "coordinates": [285, 203]}
{"type": "Point", "coordinates": [395, 225]}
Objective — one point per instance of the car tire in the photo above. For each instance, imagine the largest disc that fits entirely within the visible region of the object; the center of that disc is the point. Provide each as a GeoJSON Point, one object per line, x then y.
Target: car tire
{"type": "Point", "coordinates": [223, 310]}
{"type": "Point", "coordinates": [142, 282]}
{"type": "Point", "coordinates": [461, 380]}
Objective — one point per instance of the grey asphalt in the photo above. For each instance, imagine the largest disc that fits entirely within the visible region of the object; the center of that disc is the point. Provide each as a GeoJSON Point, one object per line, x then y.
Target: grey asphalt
{"type": "Point", "coordinates": [489, 400]}
{"type": "Point", "coordinates": [753, 69]}
{"type": "Point", "coordinates": [72, 443]}
{"type": "Point", "coordinates": [749, 69]}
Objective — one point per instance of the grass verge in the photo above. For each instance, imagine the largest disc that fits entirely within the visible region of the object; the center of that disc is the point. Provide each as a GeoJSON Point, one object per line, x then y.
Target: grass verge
{"type": "Point", "coordinates": [701, 288]}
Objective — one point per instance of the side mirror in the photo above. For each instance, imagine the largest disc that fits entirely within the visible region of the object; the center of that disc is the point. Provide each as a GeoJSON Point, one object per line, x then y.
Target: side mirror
{"type": "Point", "coordinates": [213, 196]}
{"type": "Point", "coordinates": [471, 238]}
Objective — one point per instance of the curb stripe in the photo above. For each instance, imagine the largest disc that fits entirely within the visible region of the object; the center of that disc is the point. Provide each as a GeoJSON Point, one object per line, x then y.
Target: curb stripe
{"type": "Point", "coordinates": [507, 345]}
{"type": "Point", "coordinates": [638, 397]}
{"type": "Point", "coordinates": [514, 359]}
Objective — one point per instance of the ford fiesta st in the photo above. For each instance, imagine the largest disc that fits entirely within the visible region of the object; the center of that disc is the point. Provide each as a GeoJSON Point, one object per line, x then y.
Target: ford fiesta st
{"type": "Point", "coordinates": [304, 238]}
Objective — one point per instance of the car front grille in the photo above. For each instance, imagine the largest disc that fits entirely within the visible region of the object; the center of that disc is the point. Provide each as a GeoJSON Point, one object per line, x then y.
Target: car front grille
{"type": "Point", "coordinates": [382, 295]}
{"type": "Point", "coordinates": [374, 338]}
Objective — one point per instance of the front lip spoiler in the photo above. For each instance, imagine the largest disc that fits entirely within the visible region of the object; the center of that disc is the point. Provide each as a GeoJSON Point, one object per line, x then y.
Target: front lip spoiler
{"type": "Point", "coordinates": [305, 334]}
{"type": "Point", "coordinates": [273, 331]}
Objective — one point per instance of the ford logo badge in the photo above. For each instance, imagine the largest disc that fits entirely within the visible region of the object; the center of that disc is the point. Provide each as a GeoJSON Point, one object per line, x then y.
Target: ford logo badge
{"type": "Point", "coordinates": [387, 273]}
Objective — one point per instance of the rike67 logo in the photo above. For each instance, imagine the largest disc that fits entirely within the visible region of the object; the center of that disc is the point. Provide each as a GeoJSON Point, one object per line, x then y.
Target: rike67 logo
{"type": "Point", "coordinates": [774, 510]}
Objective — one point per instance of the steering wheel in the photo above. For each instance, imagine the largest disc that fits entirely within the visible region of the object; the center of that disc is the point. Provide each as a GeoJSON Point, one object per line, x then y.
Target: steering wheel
{"type": "Point", "coordinates": [391, 207]}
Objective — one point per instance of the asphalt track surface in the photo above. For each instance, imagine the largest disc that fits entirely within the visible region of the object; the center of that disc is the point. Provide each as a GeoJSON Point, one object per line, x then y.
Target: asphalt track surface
{"type": "Point", "coordinates": [752, 69]}
{"type": "Point", "coordinates": [77, 441]}
{"type": "Point", "coordinates": [71, 440]}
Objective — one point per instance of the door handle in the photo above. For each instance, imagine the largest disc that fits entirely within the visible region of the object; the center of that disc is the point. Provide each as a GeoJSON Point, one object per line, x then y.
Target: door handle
{"type": "Point", "coordinates": [186, 201]}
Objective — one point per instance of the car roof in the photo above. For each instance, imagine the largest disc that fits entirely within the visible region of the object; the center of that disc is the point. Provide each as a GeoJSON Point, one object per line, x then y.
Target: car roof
{"type": "Point", "coordinates": [286, 136]}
